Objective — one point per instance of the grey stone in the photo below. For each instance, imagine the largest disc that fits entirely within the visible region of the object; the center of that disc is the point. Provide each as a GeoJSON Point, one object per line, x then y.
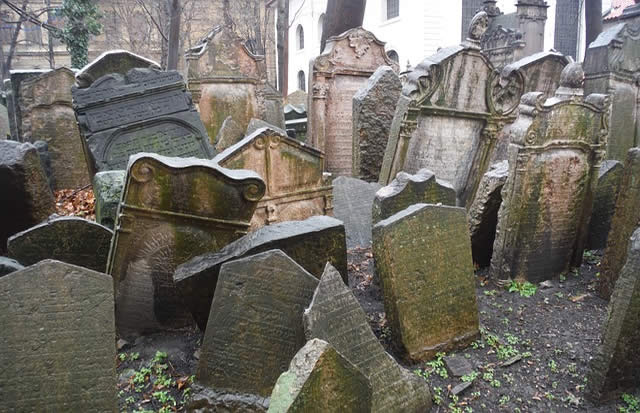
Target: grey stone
{"type": "Point", "coordinates": [458, 389]}
{"type": "Point", "coordinates": [255, 124]}
{"type": "Point", "coordinates": [7, 266]}
{"type": "Point", "coordinates": [229, 134]}
{"type": "Point", "coordinates": [45, 160]}
{"type": "Point", "coordinates": [458, 366]}
{"type": "Point", "coordinates": [13, 90]}
{"type": "Point", "coordinates": [107, 190]}
{"type": "Point", "coordinates": [206, 400]}
{"type": "Point", "coordinates": [112, 61]}
{"type": "Point", "coordinates": [352, 204]}
{"type": "Point", "coordinates": [604, 203]}
{"type": "Point", "coordinates": [5, 130]}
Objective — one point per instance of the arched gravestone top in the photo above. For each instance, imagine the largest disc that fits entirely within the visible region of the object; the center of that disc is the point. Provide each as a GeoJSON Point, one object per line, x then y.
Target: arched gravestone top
{"type": "Point", "coordinates": [112, 61]}
{"type": "Point", "coordinates": [615, 50]}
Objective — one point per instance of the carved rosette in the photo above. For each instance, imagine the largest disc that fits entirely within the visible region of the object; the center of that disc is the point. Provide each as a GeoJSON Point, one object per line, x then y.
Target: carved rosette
{"type": "Point", "coordinates": [504, 93]}
{"type": "Point", "coordinates": [360, 43]}
{"type": "Point", "coordinates": [423, 84]}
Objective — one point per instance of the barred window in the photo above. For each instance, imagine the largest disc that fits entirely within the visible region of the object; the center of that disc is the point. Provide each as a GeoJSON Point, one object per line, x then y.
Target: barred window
{"type": "Point", "coordinates": [302, 82]}
{"type": "Point", "coordinates": [300, 37]}
{"type": "Point", "coordinates": [393, 9]}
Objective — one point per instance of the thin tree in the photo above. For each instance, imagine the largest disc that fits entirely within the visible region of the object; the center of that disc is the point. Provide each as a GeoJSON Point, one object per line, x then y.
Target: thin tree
{"type": "Point", "coordinates": [82, 21]}
{"type": "Point", "coordinates": [174, 35]}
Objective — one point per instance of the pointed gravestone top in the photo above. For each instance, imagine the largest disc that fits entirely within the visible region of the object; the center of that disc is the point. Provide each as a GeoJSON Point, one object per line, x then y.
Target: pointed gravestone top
{"type": "Point", "coordinates": [112, 61]}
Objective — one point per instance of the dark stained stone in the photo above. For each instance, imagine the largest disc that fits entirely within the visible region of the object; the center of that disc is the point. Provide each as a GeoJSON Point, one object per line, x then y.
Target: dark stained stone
{"type": "Point", "coordinates": [112, 61]}
{"type": "Point", "coordinates": [311, 243]}
{"type": "Point", "coordinates": [458, 366]}
{"type": "Point", "coordinates": [352, 203]}
{"type": "Point", "coordinates": [107, 190]}
{"type": "Point", "coordinates": [7, 266]}
{"type": "Point", "coordinates": [229, 134]}
{"type": "Point", "coordinates": [604, 203]}
{"type": "Point", "coordinates": [58, 340]}
{"type": "Point", "coordinates": [45, 160]}
{"type": "Point", "coordinates": [205, 399]}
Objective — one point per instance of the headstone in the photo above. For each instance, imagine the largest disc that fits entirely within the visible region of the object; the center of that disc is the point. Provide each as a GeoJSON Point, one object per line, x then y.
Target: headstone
{"type": "Point", "coordinates": [319, 380]}
{"type": "Point", "coordinates": [615, 367]}
{"type": "Point", "coordinates": [107, 190]}
{"type": "Point", "coordinates": [352, 203]}
{"type": "Point", "coordinates": [25, 196]}
{"type": "Point", "coordinates": [336, 317]}
{"type": "Point", "coordinates": [255, 124]}
{"type": "Point", "coordinates": [58, 340]}
{"type": "Point", "coordinates": [344, 66]}
{"type": "Point", "coordinates": [13, 89]}
{"type": "Point", "coordinates": [423, 259]}
{"type": "Point", "coordinates": [5, 130]}
{"type": "Point", "coordinates": [229, 134]}
{"type": "Point", "coordinates": [172, 209]}
{"type": "Point", "coordinates": [255, 325]}
{"type": "Point", "coordinates": [109, 62]}
{"type": "Point", "coordinates": [7, 266]}
{"type": "Point", "coordinates": [311, 243]}
{"type": "Point", "coordinates": [407, 190]}
{"type": "Point", "coordinates": [45, 160]}
{"type": "Point", "coordinates": [146, 110]}
{"type": "Point", "coordinates": [296, 185]}
{"type": "Point", "coordinates": [556, 149]}
{"type": "Point", "coordinates": [72, 240]}
{"type": "Point", "coordinates": [604, 203]}
{"type": "Point", "coordinates": [373, 110]}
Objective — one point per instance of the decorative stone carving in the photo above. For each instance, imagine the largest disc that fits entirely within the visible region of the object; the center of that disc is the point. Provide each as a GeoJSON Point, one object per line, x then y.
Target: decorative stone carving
{"type": "Point", "coordinates": [112, 61]}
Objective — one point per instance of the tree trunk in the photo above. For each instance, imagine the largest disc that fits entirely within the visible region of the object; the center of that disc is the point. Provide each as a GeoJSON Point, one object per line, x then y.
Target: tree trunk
{"type": "Point", "coordinates": [174, 35]}
{"type": "Point", "coordinates": [6, 66]}
{"type": "Point", "coordinates": [52, 56]}
{"type": "Point", "coordinates": [283, 46]}
{"type": "Point", "coordinates": [341, 16]}
{"type": "Point", "coordinates": [593, 20]}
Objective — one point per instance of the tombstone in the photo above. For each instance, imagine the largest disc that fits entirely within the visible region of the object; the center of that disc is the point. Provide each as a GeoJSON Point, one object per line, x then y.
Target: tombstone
{"type": "Point", "coordinates": [625, 220]}
{"type": "Point", "coordinates": [145, 110]}
{"type": "Point", "coordinates": [604, 203]}
{"type": "Point", "coordinates": [172, 209]}
{"type": "Point", "coordinates": [555, 153]}
{"type": "Point", "coordinates": [336, 317]}
{"type": "Point", "coordinates": [373, 109]}
{"type": "Point", "coordinates": [47, 115]}
{"type": "Point", "coordinates": [423, 259]}
{"type": "Point", "coordinates": [45, 160]}
{"type": "Point", "coordinates": [311, 243]}
{"type": "Point", "coordinates": [72, 240]}
{"type": "Point", "coordinates": [25, 196]}
{"type": "Point", "coordinates": [5, 130]}
{"type": "Point", "coordinates": [296, 186]}
{"type": "Point", "coordinates": [107, 190]}
{"type": "Point", "coordinates": [352, 203]}
{"type": "Point", "coordinates": [407, 190]}
{"type": "Point", "coordinates": [58, 340]}
{"type": "Point", "coordinates": [615, 367]}
{"type": "Point", "coordinates": [255, 124]}
{"type": "Point", "coordinates": [229, 134]}
{"type": "Point", "coordinates": [109, 62]}
{"type": "Point", "coordinates": [13, 90]}
{"type": "Point", "coordinates": [319, 379]}
{"type": "Point", "coordinates": [7, 266]}
{"type": "Point", "coordinates": [295, 119]}
{"type": "Point", "coordinates": [255, 325]}
{"type": "Point", "coordinates": [345, 65]}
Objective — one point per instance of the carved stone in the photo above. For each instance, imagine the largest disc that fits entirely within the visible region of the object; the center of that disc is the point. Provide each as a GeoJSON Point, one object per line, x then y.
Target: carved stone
{"type": "Point", "coordinates": [109, 62]}
{"type": "Point", "coordinates": [107, 190]}
{"type": "Point", "coordinates": [604, 203]}
{"type": "Point", "coordinates": [353, 201]}
{"type": "Point", "coordinates": [12, 87]}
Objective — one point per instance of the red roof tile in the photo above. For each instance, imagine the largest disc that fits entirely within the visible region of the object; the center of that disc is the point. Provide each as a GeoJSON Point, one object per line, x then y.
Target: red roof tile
{"type": "Point", "coordinates": [617, 7]}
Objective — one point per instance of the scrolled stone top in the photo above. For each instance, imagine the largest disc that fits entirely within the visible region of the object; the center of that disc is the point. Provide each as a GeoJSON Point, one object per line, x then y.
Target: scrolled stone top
{"type": "Point", "coordinates": [572, 76]}
{"type": "Point", "coordinates": [479, 26]}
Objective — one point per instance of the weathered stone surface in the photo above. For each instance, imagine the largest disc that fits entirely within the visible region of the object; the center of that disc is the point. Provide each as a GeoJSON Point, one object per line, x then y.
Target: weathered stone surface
{"type": "Point", "coordinates": [172, 210]}
{"type": "Point", "coordinates": [423, 259]}
{"type": "Point", "coordinates": [206, 400]}
{"type": "Point", "coordinates": [311, 243]}
{"type": "Point", "coordinates": [320, 380]}
{"type": "Point", "coordinates": [58, 340]}
{"type": "Point", "coordinates": [12, 88]}
{"type": "Point", "coordinates": [483, 213]}
{"type": "Point", "coordinates": [604, 203]}
{"type": "Point", "coordinates": [25, 196]}
{"type": "Point", "coordinates": [45, 160]}
{"type": "Point", "coordinates": [616, 365]}
{"type": "Point", "coordinates": [5, 130]}
{"type": "Point", "coordinates": [7, 266]}
{"type": "Point", "coordinates": [107, 190]}
{"type": "Point", "coordinates": [407, 190]}
{"type": "Point", "coordinates": [72, 240]}
{"type": "Point", "coordinates": [336, 317]}
{"type": "Point", "coordinates": [255, 325]}
{"type": "Point", "coordinates": [344, 66]}
{"type": "Point", "coordinates": [255, 124]}
{"type": "Point", "coordinates": [373, 109]}
{"type": "Point", "coordinates": [296, 185]}
{"type": "Point", "coordinates": [458, 366]}
{"type": "Point", "coordinates": [145, 110]}
{"type": "Point", "coordinates": [352, 203]}
{"type": "Point", "coordinates": [112, 61]}
{"type": "Point", "coordinates": [229, 134]}
{"type": "Point", "coordinates": [626, 219]}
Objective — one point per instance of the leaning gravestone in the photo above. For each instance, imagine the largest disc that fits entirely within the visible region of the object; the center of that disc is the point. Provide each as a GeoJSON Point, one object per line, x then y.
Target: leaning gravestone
{"type": "Point", "coordinates": [311, 243]}
{"type": "Point", "coordinates": [604, 203]}
{"type": "Point", "coordinates": [255, 326]}
{"type": "Point", "coordinates": [407, 190]}
{"type": "Point", "coordinates": [72, 240]}
{"type": "Point", "coordinates": [336, 317]}
{"type": "Point", "coordinates": [320, 380]}
{"type": "Point", "coordinates": [616, 365]}
{"type": "Point", "coordinates": [107, 190]}
{"type": "Point", "coordinates": [172, 209]}
{"type": "Point", "coordinates": [58, 340]}
{"type": "Point", "coordinates": [352, 203]}
{"type": "Point", "coordinates": [109, 62]}
{"type": "Point", "coordinates": [423, 259]}
{"type": "Point", "coordinates": [373, 109]}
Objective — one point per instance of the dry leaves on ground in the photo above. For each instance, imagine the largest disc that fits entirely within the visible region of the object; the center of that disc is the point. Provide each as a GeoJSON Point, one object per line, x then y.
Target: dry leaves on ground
{"type": "Point", "coordinates": [78, 203]}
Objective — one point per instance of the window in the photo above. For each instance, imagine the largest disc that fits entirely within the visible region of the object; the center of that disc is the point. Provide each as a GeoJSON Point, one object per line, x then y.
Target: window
{"type": "Point", "coordinates": [302, 83]}
{"type": "Point", "coordinates": [7, 26]}
{"type": "Point", "coordinates": [32, 32]}
{"type": "Point", "coordinates": [393, 8]}
{"type": "Point", "coordinates": [320, 28]}
{"type": "Point", "coordinates": [300, 37]}
{"type": "Point", "coordinates": [393, 55]}
{"type": "Point", "coordinates": [55, 18]}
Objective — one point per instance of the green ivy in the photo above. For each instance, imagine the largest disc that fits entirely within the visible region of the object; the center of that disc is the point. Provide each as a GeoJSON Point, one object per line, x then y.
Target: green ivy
{"type": "Point", "coordinates": [81, 22]}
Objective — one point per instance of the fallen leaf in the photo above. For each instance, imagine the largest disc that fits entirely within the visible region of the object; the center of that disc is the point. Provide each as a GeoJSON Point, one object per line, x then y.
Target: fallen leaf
{"type": "Point", "coordinates": [577, 298]}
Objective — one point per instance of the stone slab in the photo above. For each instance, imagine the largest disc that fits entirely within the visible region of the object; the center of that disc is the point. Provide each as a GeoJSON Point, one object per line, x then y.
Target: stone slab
{"type": "Point", "coordinates": [107, 190]}
{"type": "Point", "coordinates": [352, 204]}
{"type": "Point", "coordinates": [604, 203]}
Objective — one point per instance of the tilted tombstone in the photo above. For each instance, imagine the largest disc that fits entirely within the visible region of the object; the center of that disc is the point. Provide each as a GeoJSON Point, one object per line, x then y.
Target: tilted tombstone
{"type": "Point", "coordinates": [58, 340]}
{"type": "Point", "coordinates": [336, 317]}
{"type": "Point", "coordinates": [109, 62]}
{"type": "Point", "coordinates": [13, 90]}
{"type": "Point", "coordinates": [423, 259]}
{"type": "Point", "coordinates": [172, 209]}
{"type": "Point", "coordinates": [72, 240]}
{"type": "Point", "coordinates": [107, 190]}
{"type": "Point", "coordinates": [296, 185]}
{"type": "Point", "coordinates": [311, 243]}
{"type": "Point", "coordinates": [604, 203]}
{"type": "Point", "coordinates": [344, 66]}
{"type": "Point", "coordinates": [352, 202]}
{"type": "Point", "coordinates": [556, 149]}
{"type": "Point", "coordinates": [145, 110]}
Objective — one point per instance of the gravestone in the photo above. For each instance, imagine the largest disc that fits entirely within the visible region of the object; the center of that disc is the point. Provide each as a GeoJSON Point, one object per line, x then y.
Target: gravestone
{"type": "Point", "coordinates": [109, 62]}
{"type": "Point", "coordinates": [423, 259]}
{"type": "Point", "coordinates": [255, 325]}
{"type": "Point", "coordinates": [344, 66]}
{"type": "Point", "coordinates": [5, 130]}
{"type": "Point", "coordinates": [604, 203]}
{"type": "Point", "coordinates": [352, 203]}
{"type": "Point", "coordinates": [554, 156]}
{"type": "Point", "coordinates": [229, 134]}
{"type": "Point", "coordinates": [615, 367]}
{"type": "Point", "coordinates": [407, 190]}
{"type": "Point", "coordinates": [255, 124]}
{"type": "Point", "coordinates": [145, 110]}
{"type": "Point", "coordinates": [12, 89]}
{"type": "Point", "coordinates": [311, 243]}
{"type": "Point", "coordinates": [172, 209]}
{"type": "Point", "coordinates": [25, 196]}
{"type": "Point", "coordinates": [626, 219]}
{"type": "Point", "coordinates": [72, 240]}
{"type": "Point", "coordinates": [45, 160]}
{"type": "Point", "coordinates": [373, 110]}
{"type": "Point", "coordinates": [58, 340]}
{"type": "Point", "coordinates": [320, 380]}
{"type": "Point", "coordinates": [296, 186]}
{"type": "Point", "coordinates": [7, 266]}
{"type": "Point", "coordinates": [336, 317]}
{"type": "Point", "coordinates": [107, 190]}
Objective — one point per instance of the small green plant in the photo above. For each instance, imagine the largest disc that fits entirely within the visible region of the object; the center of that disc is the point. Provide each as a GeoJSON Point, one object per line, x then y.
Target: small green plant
{"type": "Point", "coordinates": [559, 294]}
{"type": "Point", "coordinates": [632, 404]}
{"type": "Point", "coordinates": [140, 376]}
{"type": "Point", "coordinates": [526, 289]}
{"type": "Point", "coordinates": [590, 258]}
{"type": "Point", "coordinates": [122, 356]}
{"type": "Point", "coordinates": [553, 366]}
{"type": "Point", "coordinates": [491, 293]}
{"type": "Point", "coordinates": [549, 396]}
{"type": "Point", "coordinates": [563, 278]}
{"type": "Point", "coordinates": [504, 400]}
{"type": "Point", "coordinates": [511, 339]}
{"type": "Point", "coordinates": [164, 397]}
{"type": "Point", "coordinates": [134, 356]}
{"type": "Point", "coordinates": [437, 395]}
{"type": "Point", "coordinates": [470, 377]}
{"type": "Point", "coordinates": [437, 366]}
{"type": "Point", "coordinates": [160, 357]}
{"type": "Point", "coordinates": [130, 400]}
